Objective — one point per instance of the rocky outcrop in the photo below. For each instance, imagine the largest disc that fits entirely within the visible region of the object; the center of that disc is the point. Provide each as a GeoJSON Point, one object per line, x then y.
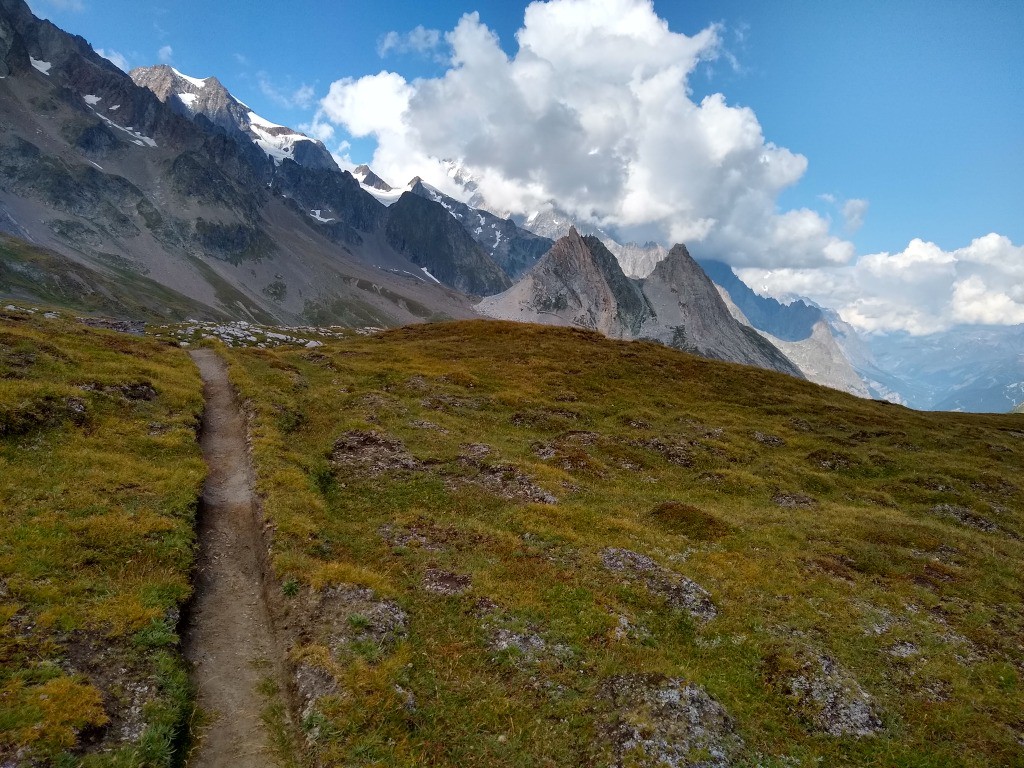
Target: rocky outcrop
{"type": "Point", "coordinates": [690, 315]}
{"type": "Point", "coordinates": [579, 283]}
{"type": "Point", "coordinates": [422, 231]}
{"type": "Point", "coordinates": [514, 249]}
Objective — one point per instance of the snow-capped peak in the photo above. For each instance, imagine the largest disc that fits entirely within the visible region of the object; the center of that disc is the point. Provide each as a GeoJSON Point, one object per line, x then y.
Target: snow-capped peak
{"type": "Point", "coordinates": [195, 81]}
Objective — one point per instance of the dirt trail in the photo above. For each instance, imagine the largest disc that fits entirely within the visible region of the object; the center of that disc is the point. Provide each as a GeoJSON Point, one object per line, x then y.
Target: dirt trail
{"type": "Point", "coordinates": [229, 638]}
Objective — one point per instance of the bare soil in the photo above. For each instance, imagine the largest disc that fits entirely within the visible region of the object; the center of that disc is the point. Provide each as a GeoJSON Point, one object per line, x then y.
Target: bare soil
{"type": "Point", "coordinates": [229, 637]}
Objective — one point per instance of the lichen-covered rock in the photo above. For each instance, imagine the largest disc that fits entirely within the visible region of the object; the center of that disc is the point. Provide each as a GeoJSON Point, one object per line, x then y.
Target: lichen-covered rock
{"type": "Point", "coordinates": [663, 721]}
{"type": "Point", "coordinates": [831, 699]}
{"type": "Point", "coordinates": [312, 684]}
{"type": "Point", "coordinates": [372, 453]}
{"type": "Point", "coordinates": [965, 516]}
{"type": "Point", "coordinates": [677, 590]}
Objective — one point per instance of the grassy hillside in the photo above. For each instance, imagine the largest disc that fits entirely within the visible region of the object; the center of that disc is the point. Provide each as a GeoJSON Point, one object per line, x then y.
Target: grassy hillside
{"type": "Point", "coordinates": [99, 477]}
{"type": "Point", "coordinates": [512, 545]}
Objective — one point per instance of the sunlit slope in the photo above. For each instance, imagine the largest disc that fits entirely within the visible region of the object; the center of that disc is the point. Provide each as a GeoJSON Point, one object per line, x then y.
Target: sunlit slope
{"type": "Point", "coordinates": [502, 544]}
{"type": "Point", "coordinates": [99, 477]}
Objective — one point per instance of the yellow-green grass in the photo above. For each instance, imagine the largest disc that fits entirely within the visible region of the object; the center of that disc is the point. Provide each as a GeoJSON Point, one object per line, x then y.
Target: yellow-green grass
{"type": "Point", "coordinates": [100, 473]}
{"type": "Point", "coordinates": [682, 465]}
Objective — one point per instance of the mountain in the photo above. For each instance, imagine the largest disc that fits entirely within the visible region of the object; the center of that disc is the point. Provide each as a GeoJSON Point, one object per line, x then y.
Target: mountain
{"type": "Point", "coordinates": [789, 322]}
{"type": "Point", "coordinates": [976, 369]}
{"type": "Point", "coordinates": [103, 174]}
{"type": "Point", "coordinates": [192, 97]}
{"type": "Point", "coordinates": [799, 330]}
{"type": "Point", "coordinates": [515, 249]}
{"type": "Point", "coordinates": [638, 260]}
{"type": "Point", "coordinates": [691, 315]}
{"type": "Point", "coordinates": [511, 247]}
{"type": "Point", "coordinates": [415, 229]}
{"type": "Point", "coordinates": [368, 178]}
{"type": "Point", "coordinates": [580, 283]}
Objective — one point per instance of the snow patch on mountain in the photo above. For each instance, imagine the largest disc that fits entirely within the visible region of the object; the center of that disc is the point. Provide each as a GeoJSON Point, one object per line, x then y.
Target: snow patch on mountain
{"type": "Point", "coordinates": [198, 83]}
{"type": "Point", "coordinates": [42, 66]}
{"type": "Point", "coordinates": [139, 139]}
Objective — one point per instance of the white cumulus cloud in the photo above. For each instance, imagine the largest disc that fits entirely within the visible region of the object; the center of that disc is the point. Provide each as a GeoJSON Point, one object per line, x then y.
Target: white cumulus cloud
{"type": "Point", "coordinates": [922, 289]}
{"type": "Point", "coordinates": [593, 113]}
{"type": "Point", "coordinates": [166, 54]}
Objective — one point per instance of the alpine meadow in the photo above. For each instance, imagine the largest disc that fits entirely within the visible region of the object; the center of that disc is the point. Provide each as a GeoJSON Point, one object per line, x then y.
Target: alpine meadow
{"type": "Point", "coordinates": [527, 405]}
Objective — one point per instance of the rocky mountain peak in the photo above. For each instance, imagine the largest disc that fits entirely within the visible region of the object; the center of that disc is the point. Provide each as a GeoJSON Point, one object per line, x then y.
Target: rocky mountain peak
{"type": "Point", "coordinates": [692, 315]}
{"type": "Point", "coordinates": [368, 178]}
{"type": "Point", "coordinates": [192, 96]}
{"type": "Point", "coordinates": [578, 283]}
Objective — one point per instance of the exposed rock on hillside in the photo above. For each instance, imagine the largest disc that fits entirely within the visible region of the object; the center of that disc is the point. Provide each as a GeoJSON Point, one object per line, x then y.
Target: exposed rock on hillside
{"type": "Point", "coordinates": [658, 721]}
{"type": "Point", "coordinates": [580, 283]}
{"type": "Point", "coordinates": [834, 702]}
{"type": "Point", "coordinates": [678, 591]}
{"type": "Point", "coordinates": [690, 315]}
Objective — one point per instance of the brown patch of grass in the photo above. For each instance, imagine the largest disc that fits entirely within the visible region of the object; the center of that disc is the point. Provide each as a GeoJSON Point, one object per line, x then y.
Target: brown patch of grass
{"type": "Point", "coordinates": [690, 521]}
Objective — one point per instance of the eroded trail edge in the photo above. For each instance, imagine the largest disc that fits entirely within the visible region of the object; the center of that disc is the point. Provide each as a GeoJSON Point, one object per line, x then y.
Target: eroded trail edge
{"type": "Point", "coordinates": [229, 637]}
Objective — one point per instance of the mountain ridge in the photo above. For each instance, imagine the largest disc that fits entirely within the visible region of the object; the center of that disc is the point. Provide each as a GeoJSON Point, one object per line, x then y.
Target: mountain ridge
{"type": "Point", "coordinates": [580, 283]}
{"type": "Point", "coordinates": [100, 170]}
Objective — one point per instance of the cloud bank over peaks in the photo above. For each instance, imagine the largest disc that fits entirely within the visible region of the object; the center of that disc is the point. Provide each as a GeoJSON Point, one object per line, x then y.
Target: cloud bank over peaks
{"type": "Point", "coordinates": [593, 113]}
{"type": "Point", "coordinates": [922, 289]}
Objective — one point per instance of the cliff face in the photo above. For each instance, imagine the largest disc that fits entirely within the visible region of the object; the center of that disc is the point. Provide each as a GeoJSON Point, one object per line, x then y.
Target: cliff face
{"type": "Point", "coordinates": [691, 315]}
{"type": "Point", "coordinates": [580, 283]}
{"type": "Point", "coordinates": [414, 229]}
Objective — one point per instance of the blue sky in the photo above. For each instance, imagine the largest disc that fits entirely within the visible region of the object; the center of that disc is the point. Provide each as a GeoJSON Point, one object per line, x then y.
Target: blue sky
{"type": "Point", "coordinates": [914, 106]}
